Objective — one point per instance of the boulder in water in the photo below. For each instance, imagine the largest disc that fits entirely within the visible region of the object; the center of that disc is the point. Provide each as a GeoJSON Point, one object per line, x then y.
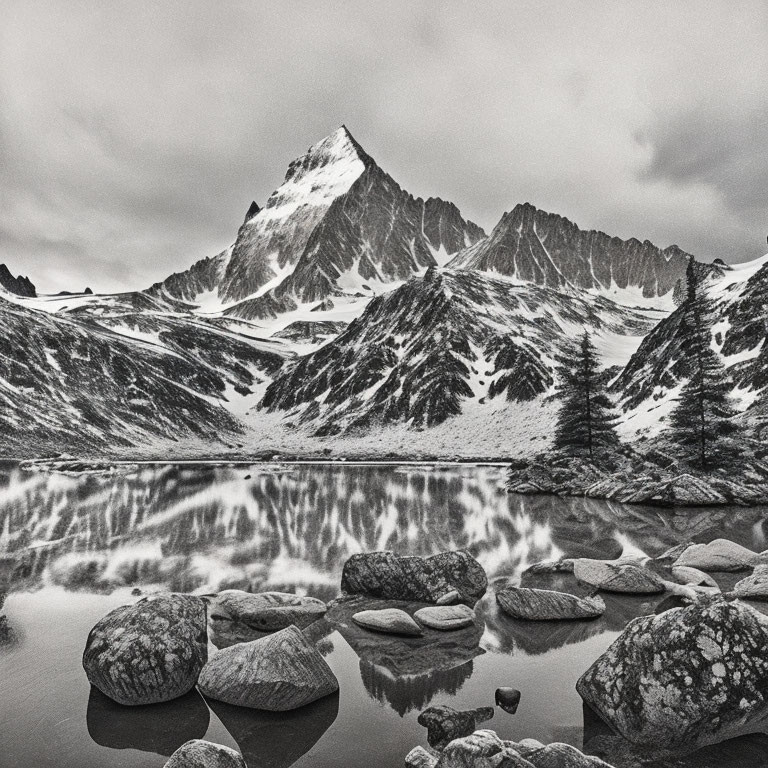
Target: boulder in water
{"type": "Point", "coordinates": [684, 678]}
{"type": "Point", "coordinates": [547, 605]}
{"type": "Point", "coordinates": [693, 577]}
{"type": "Point", "coordinates": [719, 555]}
{"type": "Point", "coordinates": [204, 754]}
{"type": "Point", "coordinates": [391, 621]}
{"type": "Point", "coordinates": [279, 672]}
{"type": "Point", "coordinates": [426, 579]}
{"type": "Point", "coordinates": [445, 617]}
{"type": "Point", "coordinates": [444, 724]}
{"type": "Point", "coordinates": [615, 576]}
{"type": "Point", "coordinates": [508, 699]}
{"type": "Point", "coordinates": [754, 586]}
{"type": "Point", "coordinates": [148, 652]}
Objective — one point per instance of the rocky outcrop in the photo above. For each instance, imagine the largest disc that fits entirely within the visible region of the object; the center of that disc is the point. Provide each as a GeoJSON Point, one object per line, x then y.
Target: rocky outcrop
{"type": "Point", "coordinates": [720, 555]}
{"type": "Point", "coordinates": [279, 672]}
{"type": "Point", "coordinates": [149, 652]}
{"type": "Point", "coordinates": [544, 248]}
{"type": "Point", "coordinates": [391, 621]}
{"type": "Point", "coordinates": [484, 749]}
{"type": "Point", "coordinates": [684, 678]}
{"type": "Point", "coordinates": [617, 577]}
{"type": "Point", "coordinates": [239, 617]}
{"type": "Point", "coordinates": [21, 286]}
{"type": "Point", "coordinates": [547, 605]}
{"type": "Point", "coordinates": [445, 617]}
{"type": "Point", "coordinates": [204, 754]}
{"type": "Point", "coordinates": [444, 724]}
{"type": "Point", "coordinates": [386, 575]}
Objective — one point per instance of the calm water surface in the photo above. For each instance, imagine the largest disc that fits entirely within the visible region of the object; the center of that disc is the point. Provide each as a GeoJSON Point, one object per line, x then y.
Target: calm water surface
{"type": "Point", "coordinates": [81, 544]}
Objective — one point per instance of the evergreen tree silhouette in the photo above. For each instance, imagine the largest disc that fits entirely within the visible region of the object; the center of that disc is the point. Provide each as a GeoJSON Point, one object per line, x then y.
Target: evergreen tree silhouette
{"type": "Point", "coordinates": [586, 422]}
{"type": "Point", "coordinates": [704, 413]}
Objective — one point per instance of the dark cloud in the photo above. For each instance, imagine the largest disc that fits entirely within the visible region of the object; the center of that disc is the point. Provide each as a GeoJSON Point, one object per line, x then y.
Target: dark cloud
{"type": "Point", "coordinates": [134, 135]}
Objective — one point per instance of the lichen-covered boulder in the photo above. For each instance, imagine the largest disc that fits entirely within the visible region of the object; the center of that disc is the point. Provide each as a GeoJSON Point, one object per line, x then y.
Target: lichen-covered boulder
{"type": "Point", "coordinates": [720, 555]}
{"type": "Point", "coordinates": [547, 605]}
{"type": "Point", "coordinates": [610, 576]}
{"type": "Point", "coordinates": [444, 724]}
{"type": "Point", "coordinates": [391, 621]}
{"type": "Point", "coordinates": [235, 616]}
{"type": "Point", "coordinates": [446, 617]}
{"type": "Point", "coordinates": [426, 579]}
{"type": "Point", "coordinates": [148, 652]}
{"type": "Point", "coordinates": [279, 672]}
{"type": "Point", "coordinates": [686, 677]}
{"type": "Point", "coordinates": [205, 754]}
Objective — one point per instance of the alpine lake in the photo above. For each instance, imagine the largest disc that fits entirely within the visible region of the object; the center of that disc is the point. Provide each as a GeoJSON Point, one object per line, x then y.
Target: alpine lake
{"type": "Point", "coordinates": [75, 545]}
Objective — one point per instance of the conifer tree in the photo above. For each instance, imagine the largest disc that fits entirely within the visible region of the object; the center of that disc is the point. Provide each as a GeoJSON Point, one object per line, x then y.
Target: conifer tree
{"type": "Point", "coordinates": [586, 423]}
{"type": "Point", "coordinates": [704, 412]}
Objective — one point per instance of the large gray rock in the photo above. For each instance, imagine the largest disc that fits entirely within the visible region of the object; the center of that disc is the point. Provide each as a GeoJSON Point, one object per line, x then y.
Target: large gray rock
{"type": "Point", "coordinates": [427, 579]}
{"type": "Point", "coordinates": [754, 586]}
{"type": "Point", "coordinates": [235, 616]}
{"type": "Point", "coordinates": [391, 621]}
{"type": "Point", "coordinates": [484, 749]}
{"type": "Point", "coordinates": [148, 652]}
{"type": "Point", "coordinates": [720, 555]}
{"type": "Point", "coordinates": [611, 576]}
{"type": "Point", "coordinates": [684, 678]}
{"type": "Point", "coordinates": [444, 724]}
{"type": "Point", "coordinates": [204, 754]}
{"type": "Point", "coordinates": [279, 672]}
{"type": "Point", "coordinates": [446, 617]}
{"type": "Point", "coordinates": [547, 605]}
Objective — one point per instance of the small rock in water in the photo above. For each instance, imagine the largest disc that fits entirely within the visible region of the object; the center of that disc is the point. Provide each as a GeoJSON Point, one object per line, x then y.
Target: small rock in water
{"type": "Point", "coordinates": [389, 620]}
{"type": "Point", "coordinates": [279, 672]}
{"type": "Point", "coordinates": [445, 617]}
{"type": "Point", "coordinates": [720, 555]}
{"type": "Point", "coordinates": [508, 699]}
{"type": "Point", "coordinates": [449, 598]}
{"type": "Point", "coordinates": [693, 577]}
{"type": "Point", "coordinates": [148, 652]}
{"type": "Point", "coordinates": [547, 605]}
{"type": "Point", "coordinates": [611, 576]}
{"type": "Point", "coordinates": [444, 724]}
{"type": "Point", "coordinates": [205, 754]}
{"type": "Point", "coordinates": [755, 586]}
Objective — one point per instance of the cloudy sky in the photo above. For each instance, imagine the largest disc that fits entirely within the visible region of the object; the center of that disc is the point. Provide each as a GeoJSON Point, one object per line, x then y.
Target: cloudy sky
{"type": "Point", "coordinates": [134, 135]}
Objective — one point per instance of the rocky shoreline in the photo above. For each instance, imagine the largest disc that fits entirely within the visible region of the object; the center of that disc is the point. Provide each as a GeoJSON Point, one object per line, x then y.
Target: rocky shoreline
{"type": "Point", "coordinates": [652, 479]}
{"type": "Point", "coordinates": [687, 674]}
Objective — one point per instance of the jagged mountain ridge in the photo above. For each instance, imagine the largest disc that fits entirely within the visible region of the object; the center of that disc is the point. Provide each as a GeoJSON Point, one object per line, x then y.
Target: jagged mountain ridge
{"type": "Point", "coordinates": [548, 249]}
{"type": "Point", "coordinates": [419, 353]}
{"type": "Point", "coordinates": [336, 222]}
{"type": "Point", "coordinates": [654, 373]}
{"type": "Point", "coordinates": [20, 286]}
{"type": "Point", "coordinates": [70, 383]}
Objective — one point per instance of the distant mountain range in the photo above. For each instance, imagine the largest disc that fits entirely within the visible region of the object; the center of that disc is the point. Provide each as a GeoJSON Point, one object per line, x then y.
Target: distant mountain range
{"type": "Point", "coordinates": [345, 305]}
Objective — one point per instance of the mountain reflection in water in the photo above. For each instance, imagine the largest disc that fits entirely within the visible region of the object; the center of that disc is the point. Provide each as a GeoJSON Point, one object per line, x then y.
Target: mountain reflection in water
{"type": "Point", "coordinates": [73, 547]}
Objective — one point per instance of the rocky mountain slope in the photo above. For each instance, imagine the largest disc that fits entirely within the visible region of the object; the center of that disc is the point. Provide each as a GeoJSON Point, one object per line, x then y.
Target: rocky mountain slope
{"type": "Point", "coordinates": [422, 352]}
{"type": "Point", "coordinates": [69, 383]}
{"type": "Point", "coordinates": [547, 249]}
{"type": "Point", "coordinates": [338, 224]}
{"type": "Point", "coordinates": [649, 383]}
{"type": "Point", "coordinates": [21, 286]}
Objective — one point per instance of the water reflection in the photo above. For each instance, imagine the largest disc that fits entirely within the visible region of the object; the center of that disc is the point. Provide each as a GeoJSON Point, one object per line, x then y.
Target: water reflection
{"type": "Point", "coordinates": [157, 728]}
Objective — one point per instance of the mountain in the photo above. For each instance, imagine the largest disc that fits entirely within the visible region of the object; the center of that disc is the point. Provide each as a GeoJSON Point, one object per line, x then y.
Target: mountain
{"type": "Point", "coordinates": [651, 379]}
{"type": "Point", "coordinates": [547, 249]}
{"type": "Point", "coordinates": [338, 225]}
{"type": "Point", "coordinates": [21, 286]}
{"type": "Point", "coordinates": [422, 352]}
{"type": "Point", "coordinates": [69, 383]}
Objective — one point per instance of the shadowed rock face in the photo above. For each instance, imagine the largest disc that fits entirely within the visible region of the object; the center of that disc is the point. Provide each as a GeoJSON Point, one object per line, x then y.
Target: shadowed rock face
{"type": "Point", "coordinates": [547, 249]}
{"type": "Point", "coordinates": [21, 286]}
{"type": "Point", "coordinates": [684, 678]}
{"type": "Point", "coordinates": [149, 652]}
{"type": "Point", "coordinates": [276, 673]}
{"type": "Point", "coordinates": [158, 728]}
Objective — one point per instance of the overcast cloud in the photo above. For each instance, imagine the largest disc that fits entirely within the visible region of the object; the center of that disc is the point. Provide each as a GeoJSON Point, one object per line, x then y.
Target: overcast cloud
{"type": "Point", "coordinates": [134, 135]}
